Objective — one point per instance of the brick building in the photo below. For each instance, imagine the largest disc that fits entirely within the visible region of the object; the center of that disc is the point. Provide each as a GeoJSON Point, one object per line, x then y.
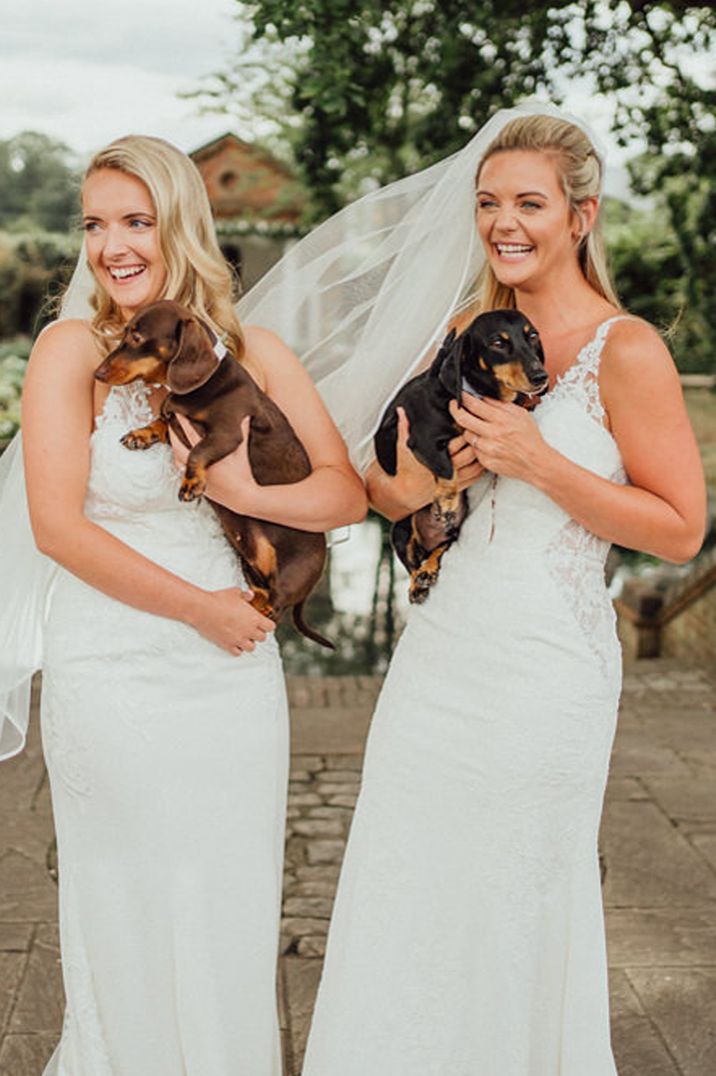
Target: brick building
{"type": "Point", "coordinates": [256, 201]}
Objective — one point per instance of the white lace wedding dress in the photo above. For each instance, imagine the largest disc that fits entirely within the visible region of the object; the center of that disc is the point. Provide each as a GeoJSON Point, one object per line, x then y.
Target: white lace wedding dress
{"type": "Point", "coordinates": [168, 766]}
{"type": "Point", "coordinates": [468, 937]}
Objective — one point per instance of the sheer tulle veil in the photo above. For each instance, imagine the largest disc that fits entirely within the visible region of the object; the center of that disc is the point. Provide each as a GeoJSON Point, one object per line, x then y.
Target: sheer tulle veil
{"type": "Point", "coordinates": [361, 299]}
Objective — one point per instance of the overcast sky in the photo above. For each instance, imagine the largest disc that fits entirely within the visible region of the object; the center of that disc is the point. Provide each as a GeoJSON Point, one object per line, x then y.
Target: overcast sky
{"type": "Point", "coordinates": [86, 72]}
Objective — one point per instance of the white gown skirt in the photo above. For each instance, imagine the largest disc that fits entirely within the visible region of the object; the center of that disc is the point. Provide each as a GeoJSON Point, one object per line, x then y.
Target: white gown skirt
{"type": "Point", "coordinates": [168, 766]}
{"type": "Point", "coordinates": [467, 935]}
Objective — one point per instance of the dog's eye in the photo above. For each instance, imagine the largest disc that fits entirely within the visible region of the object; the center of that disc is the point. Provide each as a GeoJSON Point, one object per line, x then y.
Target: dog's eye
{"type": "Point", "coordinates": [533, 335]}
{"type": "Point", "coordinates": [498, 343]}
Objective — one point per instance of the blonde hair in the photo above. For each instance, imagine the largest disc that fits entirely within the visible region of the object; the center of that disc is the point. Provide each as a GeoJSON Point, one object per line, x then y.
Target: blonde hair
{"type": "Point", "coordinates": [198, 275]}
{"type": "Point", "coordinates": [580, 173]}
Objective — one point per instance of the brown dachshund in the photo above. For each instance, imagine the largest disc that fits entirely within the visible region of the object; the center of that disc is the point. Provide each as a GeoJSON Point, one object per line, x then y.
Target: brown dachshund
{"type": "Point", "coordinates": [499, 355]}
{"type": "Point", "coordinates": [168, 345]}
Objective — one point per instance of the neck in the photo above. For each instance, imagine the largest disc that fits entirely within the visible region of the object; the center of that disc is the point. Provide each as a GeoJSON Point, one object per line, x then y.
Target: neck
{"type": "Point", "coordinates": [543, 304]}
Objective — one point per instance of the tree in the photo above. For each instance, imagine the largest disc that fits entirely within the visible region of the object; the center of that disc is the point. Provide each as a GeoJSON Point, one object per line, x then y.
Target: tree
{"type": "Point", "coordinates": [39, 184]}
{"type": "Point", "coordinates": [365, 92]}
{"type": "Point", "coordinates": [362, 92]}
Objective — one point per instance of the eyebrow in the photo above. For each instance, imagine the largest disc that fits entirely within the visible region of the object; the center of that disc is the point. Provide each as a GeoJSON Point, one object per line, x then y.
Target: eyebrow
{"type": "Point", "coordinates": [522, 194]}
{"type": "Point", "coordinates": [126, 216]}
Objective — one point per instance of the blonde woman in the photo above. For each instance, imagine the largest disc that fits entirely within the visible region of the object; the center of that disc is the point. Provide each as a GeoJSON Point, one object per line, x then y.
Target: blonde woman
{"type": "Point", "coordinates": [467, 937]}
{"type": "Point", "coordinates": [164, 716]}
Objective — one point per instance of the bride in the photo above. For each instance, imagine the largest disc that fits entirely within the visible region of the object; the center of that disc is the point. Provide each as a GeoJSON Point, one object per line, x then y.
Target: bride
{"type": "Point", "coordinates": [467, 937]}
{"type": "Point", "coordinates": [164, 718]}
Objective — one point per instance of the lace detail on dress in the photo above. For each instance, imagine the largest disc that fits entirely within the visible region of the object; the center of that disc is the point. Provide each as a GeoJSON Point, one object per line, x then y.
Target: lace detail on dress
{"type": "Point", "coordinates": [123, 482]}
{"type": "Point", "coordinates": [575, 558]}
{"type": "Point", "coordinates": [127, 405]}
{"type": "Point", "coordinates": [581, 380]}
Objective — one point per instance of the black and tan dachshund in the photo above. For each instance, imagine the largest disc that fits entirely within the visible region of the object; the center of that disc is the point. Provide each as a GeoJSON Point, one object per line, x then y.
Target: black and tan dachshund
{"type": "Point", "coordinates": [164, 343]}
{"type": "Point", "coordinates": [499, 355]}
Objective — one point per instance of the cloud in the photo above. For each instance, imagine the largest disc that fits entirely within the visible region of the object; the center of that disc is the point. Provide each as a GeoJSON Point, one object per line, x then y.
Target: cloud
{"type": "Point", "coordinates": [171, 36]}
{"type": "Point", "coordinates": [85, 74]}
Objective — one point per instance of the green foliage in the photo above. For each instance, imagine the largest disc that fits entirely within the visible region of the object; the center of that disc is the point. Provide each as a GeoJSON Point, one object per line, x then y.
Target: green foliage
{"type": "Point", "coordinates": [39, 183]}
{"type": "Point", "coordinates": [370, 92]}
{"type": "Point", "coordinates": [362, 92]}
{"type": "Point", "coordinates": [13, 360]}
{"type": "Point", "coordinates": [648, 54]}
{"type": "Point", "coordinates": [33, 268]}
{"type": "Point", "coordinates": [646, 260]}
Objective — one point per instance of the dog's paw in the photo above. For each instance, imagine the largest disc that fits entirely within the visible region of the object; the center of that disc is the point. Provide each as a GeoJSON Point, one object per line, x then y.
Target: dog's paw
{"type": "Point", "coordinates": [420, 583]}
{"type": "Point", "coordinates": [139, 439]}
{"type": "Point", "coordinates": [192, 487]}
{"type": "Point", "coordinates": [417, 595]}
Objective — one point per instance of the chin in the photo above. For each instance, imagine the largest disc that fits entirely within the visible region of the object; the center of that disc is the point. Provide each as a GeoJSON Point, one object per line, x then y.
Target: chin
{"type": "Point", "coordinates": [512, 279]}
{"type": "Point", "coordinates": [130, 304]}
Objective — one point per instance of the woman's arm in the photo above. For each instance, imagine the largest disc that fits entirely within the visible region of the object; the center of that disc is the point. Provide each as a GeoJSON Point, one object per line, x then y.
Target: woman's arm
{"type": "Point", "coordinates": [57, 418]}
{"type": "Point", "coordinates": [413, 485]}
{"type": "Point", "coordinates": [333, 493]}
{"type": "Point", "coordinates": [663, 511]}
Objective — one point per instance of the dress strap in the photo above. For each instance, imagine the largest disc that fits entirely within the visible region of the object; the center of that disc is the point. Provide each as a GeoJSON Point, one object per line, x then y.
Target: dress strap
{"type": "Point", "coordinates": [603, 331]}
{"type": "Point", "coordinates": [582, 377]}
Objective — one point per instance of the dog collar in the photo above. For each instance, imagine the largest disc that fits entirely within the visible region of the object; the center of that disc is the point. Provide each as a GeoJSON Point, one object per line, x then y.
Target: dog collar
{"type": "Point", "coordinates": [217, 342]}
{"type": "Point", "coordinates": [219, 349]}
{"type": "Point", "coordinates": [466, 387]}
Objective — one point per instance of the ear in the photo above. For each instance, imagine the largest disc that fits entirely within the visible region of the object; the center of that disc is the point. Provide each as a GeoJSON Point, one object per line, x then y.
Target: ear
{"type": "Point", "coordinates": [584, 218]}
{"type": "Point", "coordinates": [450, 374]}
{"type": "Point", "coordinates": [436, 364]}
{"type": "Point", "coordinates": [194, 362]}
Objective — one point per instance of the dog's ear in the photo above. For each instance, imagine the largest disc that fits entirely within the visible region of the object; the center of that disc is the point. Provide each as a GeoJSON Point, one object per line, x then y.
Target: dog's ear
{"type": "Point", "coordinates": [450, 372]}
{"type": "Point", "coordinates": [194, 361]}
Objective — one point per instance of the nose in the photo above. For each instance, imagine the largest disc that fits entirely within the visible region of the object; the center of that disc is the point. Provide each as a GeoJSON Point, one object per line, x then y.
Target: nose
{"type": "Point", "coordinates": [504, 220]}
{"type": "Point", "coordinates": [114, 241]}
{"type": "Point", "coordinates": [538, 375]}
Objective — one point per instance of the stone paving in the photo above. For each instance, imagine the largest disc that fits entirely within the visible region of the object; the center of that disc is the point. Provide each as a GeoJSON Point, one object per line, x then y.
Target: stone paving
{"type": "Point", "coordinates": [658, 841]}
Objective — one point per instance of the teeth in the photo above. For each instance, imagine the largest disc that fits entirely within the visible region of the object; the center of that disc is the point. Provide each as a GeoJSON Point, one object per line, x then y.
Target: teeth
{"type": "Point", "coordinates": [513, 248]}
{"type": "Point", "coordinates": [121, 274]}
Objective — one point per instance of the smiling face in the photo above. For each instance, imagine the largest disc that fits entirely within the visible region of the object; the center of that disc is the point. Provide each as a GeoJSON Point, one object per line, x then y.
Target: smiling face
{"type": "Point", "coordinates": [121, 238]}
{"type": "Point", "coordinates": [526, 224]}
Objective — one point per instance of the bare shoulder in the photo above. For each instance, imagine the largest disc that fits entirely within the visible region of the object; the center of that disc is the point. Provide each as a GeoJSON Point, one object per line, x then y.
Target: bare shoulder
{"type": "Point", "coordinates": [266, 345]}
{"type": "Point", "coordinates": [267, 353]}
{"type": "Point", "coordinates": [70, 339]}
{"type": "Point", "coordinates": [634, 352]}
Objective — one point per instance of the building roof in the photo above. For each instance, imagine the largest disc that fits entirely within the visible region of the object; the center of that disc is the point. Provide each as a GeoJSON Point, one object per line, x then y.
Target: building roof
{"type": "Point", "coordinates": [247, 182]}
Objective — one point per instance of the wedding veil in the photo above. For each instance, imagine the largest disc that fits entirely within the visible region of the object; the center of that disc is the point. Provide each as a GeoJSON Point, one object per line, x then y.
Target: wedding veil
{"type": "Point", "coordinates": [361, 299]}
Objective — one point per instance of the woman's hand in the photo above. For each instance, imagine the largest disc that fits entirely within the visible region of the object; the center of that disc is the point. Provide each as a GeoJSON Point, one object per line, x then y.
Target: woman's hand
{"type": "Point", "coordinates": [505, 438]}
{"type": "Point", "coordinates": [413, 485]}
{"type": "Point", "coordinates": [226, 618]}
{"type": "Point", "coordinates": [415, 477]}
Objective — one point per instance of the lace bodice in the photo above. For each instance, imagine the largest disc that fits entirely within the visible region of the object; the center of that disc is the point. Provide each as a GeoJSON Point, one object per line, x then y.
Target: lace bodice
{"type": "Point", "coordinates": [134, 494]}
{"type": "Point", "coordinates": [523, 532]}
{"type": "Point", "coordinates": [123, 483]}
